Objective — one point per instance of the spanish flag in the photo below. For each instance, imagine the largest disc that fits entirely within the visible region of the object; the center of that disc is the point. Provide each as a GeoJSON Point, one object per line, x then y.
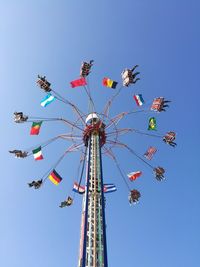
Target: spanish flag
{"type": "Point", "coordinates": [109, 83]}
{"type": "Point", "coordinates": [35, 129]}
{"type": "Point", "coordinates": [55, 177]}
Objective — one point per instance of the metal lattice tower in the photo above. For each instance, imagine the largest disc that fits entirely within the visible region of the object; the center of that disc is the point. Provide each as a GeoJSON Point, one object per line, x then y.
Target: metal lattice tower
{"type": "Point", "coordinates": [93, 250]}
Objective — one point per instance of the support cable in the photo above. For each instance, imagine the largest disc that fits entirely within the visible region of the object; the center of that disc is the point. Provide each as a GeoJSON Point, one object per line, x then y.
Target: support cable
{"type": "Point", "coordinates": [91, 102]}
{"type": "Point", "coordinates": [130, 150]}
{"type": "Point", "coordinates": [70, 136]}
{"type": "Point", "coordinates": [42, 120]}
{"type": "Point", "coordinates": [111, 154]}
{"type": "Point", "coordinates": [139, 111]}
{"type": "Point", "coordinates": [116, 119]}
{"type": "Point", "coordinates": [78, 173]}
{"type": "Point", "coordinates": [126, 130]}
{"type": "Point", "coordinates": [109, 103]}
{"type": "Point", "coordinates": [72, 124]}
{"type": "Point", "coordinates": [70, 149]}
{"type": "Point", "coordinates": [82, 170]}
{"type": "Point", "coordinates": [36, 119]}
{"type": "Point", "coordinates": [44, 144]}
{"type": "Point", "coordinates": [75, 108]}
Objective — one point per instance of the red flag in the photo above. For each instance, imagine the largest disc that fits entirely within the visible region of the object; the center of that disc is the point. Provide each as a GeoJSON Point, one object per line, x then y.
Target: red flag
{"type": "Point", "coordinates": [79, 82]}
{"type": "Point", "coordinates": [134, 175]}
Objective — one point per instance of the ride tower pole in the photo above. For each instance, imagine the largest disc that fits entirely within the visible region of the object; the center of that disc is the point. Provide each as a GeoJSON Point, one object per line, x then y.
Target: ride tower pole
{"type": "Point", "coordinates": [93, 248]}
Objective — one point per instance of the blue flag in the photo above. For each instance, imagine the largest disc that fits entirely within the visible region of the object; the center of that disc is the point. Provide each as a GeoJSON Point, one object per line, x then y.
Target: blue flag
{"type": "Point", "coordinates": [47, 100]}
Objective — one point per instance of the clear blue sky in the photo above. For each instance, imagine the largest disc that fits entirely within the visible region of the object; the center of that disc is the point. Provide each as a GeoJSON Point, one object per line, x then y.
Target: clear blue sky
{"type": "Point", "coordinates": [52, 38]}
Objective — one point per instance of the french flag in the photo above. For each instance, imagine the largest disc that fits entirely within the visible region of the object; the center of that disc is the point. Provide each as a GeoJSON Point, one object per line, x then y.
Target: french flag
{"type": "Point", "coordinates": [139, 99]}
{"type": "Point", "coordinates": [78, 188]}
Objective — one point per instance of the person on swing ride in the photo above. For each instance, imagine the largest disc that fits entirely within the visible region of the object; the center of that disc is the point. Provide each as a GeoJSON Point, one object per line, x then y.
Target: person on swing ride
{"type": "Point", "coordinates": [169, 139]}
{"type": "Point", "coordinates": [163, 104]}
{"type": "Point", "coordinates": [66, 203]}
{"type": "Point", "coordinates": [19, 153]}
{"type": "Point", "coordinates": [136, 66]}
{"type": "Point", "coordinates": [43, 83]}
{"type": "Point", "coordinates": [36, 184]}
{"type": "Point", "coordinates": [134, 196]}
{"type": "Point", "coordinates": [135, 74]}
{"type": "Point", "coordinates": [167, 101]}
{"type": "Point", "coordinates": [85, 68]}
{"type": "Point", "coordinates": [128, 76]}
{"type": "Point", "coordinates": [159, 173]}
{"type": "Point", "coordinates": [20, 117]}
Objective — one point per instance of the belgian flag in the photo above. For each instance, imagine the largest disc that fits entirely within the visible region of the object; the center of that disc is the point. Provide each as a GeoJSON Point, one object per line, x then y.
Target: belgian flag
{"type": "Point", "coordinates": [109, 83]}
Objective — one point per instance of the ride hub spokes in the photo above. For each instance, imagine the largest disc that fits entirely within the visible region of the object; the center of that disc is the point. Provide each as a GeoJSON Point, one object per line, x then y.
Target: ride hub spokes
{"type": "Point", "coordinates": [96, 126]}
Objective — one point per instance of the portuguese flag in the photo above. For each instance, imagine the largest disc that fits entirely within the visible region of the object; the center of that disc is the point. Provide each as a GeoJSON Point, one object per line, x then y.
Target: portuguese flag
{"type": "Point", "coordinates": [55, 178]}
{"type": "Point", "coordinates": [37, 153]}
{"type": "Point", "coordinates": [109, 83]}
{"type": "Point", "coordinates": [35, 129]}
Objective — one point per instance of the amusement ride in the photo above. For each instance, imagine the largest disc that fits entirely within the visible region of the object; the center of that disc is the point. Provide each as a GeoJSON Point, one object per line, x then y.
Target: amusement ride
{"type": "Point", "coordinates": [95, 135]}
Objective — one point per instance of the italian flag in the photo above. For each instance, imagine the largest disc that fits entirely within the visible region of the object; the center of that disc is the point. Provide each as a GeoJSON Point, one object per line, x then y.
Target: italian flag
{"type": "Point", "coordinates": [37, 153]}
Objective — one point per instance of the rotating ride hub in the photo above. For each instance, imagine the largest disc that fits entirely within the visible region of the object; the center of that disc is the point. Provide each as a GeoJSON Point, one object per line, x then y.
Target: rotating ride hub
{"type": "Point", "coordinates": [96, 126]}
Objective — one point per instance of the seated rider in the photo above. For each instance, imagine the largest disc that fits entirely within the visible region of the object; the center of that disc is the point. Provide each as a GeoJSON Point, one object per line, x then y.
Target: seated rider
{"type": "Point", "coordinates": [169, 139]}
{"type": "Point", "coordinates": [85, 68]}
{"type": "Point", "coordinates": [36, 184]}
{"type": "Point", "coordinates": [43, 83]}
{"type": "Point", "coordinates": [134, 196]}
{"type": "Point", "coordinates": [136, 66]}
{"type": "Point", "coordinates": [67, 202]}
{"type": "Point", "coordinates": [163, 104]}
{"type": "Point", "coordinates": [167, 101]}
{"type": "Point", "coordinates": [171, 143]}
{"type": "Point", "coordinates": [135, 74]}
{"type": "Point", "coordinates": [19, 153]}
{"type": "Point", "coordinates": [159, 173]}
{"type": "Point", "coordinates": [128, 76]}
{"type": "Point", "coordinates": [20, 117]}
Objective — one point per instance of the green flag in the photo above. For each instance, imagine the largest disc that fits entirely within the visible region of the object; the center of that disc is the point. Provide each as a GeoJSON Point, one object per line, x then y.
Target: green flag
{"type": "Point", "coordinates": [152, 124]}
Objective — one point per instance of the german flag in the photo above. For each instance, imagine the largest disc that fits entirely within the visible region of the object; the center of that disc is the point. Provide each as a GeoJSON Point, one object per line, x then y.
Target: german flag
{"type": "Point", "coordinates": [109, 83]}
{"type": "Point", "coordinates": [35, 129]}
{"type": "Point", "coordinates": [55, 178]}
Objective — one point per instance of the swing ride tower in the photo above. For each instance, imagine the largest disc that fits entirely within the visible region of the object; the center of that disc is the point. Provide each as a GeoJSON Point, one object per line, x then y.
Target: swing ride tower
{"type": "Point", "coordinates": [99, 134]}
{"type": "Point", "coordinates": [93, 250]}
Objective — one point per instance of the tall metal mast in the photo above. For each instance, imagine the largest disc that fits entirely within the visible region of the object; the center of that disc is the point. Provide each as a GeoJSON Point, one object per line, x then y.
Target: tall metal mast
{"type": "Point", "coordinates": [93, 249]}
